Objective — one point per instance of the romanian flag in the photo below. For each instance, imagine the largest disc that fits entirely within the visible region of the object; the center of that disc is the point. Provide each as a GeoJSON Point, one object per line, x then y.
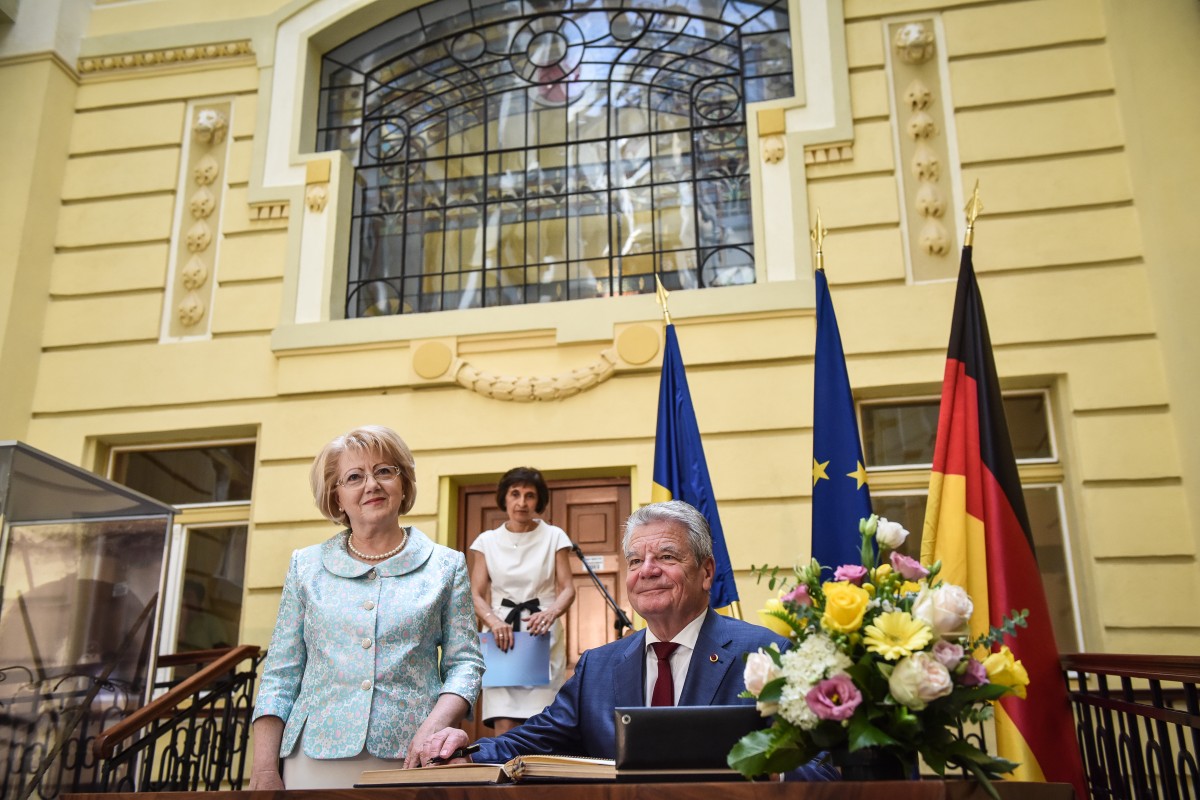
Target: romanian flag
{"type": "Point", "coordinates": [680, 471]}
{"type": "Point", "coordinates": [976, 524]}
{"type": "Point", "coordinates": [840, 495]}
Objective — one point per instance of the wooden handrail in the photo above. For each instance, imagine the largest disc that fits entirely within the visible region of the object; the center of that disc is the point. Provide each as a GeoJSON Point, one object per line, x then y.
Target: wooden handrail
{"type": "Point", "coordinates": [222, 661]}
{"type": "Point", "coordinates": [1185, 669]}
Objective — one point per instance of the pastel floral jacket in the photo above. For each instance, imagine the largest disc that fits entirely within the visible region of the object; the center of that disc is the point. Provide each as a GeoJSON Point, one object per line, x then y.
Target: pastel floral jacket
{"type": "Point", "coordinates": [354, 657]}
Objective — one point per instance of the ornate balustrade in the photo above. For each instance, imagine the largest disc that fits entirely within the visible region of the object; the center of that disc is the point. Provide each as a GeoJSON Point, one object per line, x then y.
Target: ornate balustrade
{"type": "Point", "coordinates": [78, 733]}
{"type": "Point", "coordinates": [1138, 723]}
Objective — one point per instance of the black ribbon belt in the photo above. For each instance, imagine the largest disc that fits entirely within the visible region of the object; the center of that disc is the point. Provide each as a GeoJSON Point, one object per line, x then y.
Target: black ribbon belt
{"type": "Point", "coordinates": [514, 616]}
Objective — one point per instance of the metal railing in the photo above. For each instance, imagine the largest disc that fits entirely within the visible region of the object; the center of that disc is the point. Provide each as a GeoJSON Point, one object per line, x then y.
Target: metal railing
{"type": "Point", "coordinates": [1138, 724]}
{"type": "Point", "coordinates": [79, 733]}
{"type": "Point", "coordinates": [194, 737]}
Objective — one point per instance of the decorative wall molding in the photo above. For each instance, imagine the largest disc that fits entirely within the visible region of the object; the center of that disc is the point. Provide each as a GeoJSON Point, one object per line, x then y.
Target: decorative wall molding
{"type": "Point", "coordinates": [919, 130]}
{"type": "Point", "coordinates": [273, 209]}
{"type": "Point", "coordinates": [173, 56]}
{"type": "Point", "coordinates": [828, 154]}
{"type": "Point", "coordinates": [191, 288]}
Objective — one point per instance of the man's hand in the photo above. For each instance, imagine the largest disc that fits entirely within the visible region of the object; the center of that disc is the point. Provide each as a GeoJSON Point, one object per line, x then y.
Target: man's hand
{"type": "Point", "coordinates": [443, 743]}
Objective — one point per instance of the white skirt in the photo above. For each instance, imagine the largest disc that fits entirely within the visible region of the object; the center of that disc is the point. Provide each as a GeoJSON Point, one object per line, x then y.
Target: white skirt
{"type": "Point", "coordinates": [305, 772]}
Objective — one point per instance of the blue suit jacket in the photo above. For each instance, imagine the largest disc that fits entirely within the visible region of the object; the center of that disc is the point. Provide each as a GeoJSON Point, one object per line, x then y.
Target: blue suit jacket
{"type": "Point", "coordinates": [580, 720]}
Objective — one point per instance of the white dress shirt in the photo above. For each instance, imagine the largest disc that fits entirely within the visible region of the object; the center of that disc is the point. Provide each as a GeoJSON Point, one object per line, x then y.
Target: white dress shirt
{"type": "Point", "coordinates": [680, 659]}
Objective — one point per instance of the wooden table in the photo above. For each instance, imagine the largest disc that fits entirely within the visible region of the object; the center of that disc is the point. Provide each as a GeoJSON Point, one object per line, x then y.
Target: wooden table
{"type": "Point", "coordinates": [899, 790]}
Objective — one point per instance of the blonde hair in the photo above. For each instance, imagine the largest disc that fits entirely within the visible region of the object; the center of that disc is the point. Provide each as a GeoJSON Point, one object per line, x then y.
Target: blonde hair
{"type": "Point", "coordinates": [369, 438]}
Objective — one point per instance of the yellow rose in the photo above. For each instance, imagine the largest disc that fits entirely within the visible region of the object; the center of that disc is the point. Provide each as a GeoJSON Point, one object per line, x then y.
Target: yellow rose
{"type": "Point", "coordinates": [1005, 670]}
{"type": "Point", "coordinates": [845, 605]}
{"type": "Point", "coordinates": [774, 623]}
{"type": "Point", "coordinates": [882, 571]}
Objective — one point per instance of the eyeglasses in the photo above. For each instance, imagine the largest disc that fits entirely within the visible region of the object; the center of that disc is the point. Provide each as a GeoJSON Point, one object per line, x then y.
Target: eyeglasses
{"type": "Point", "coordinates": [356, 477]}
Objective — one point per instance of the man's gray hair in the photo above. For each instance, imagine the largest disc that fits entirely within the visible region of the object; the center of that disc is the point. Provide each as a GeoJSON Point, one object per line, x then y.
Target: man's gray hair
{"type": "Point", "coordinates": [694, 524]}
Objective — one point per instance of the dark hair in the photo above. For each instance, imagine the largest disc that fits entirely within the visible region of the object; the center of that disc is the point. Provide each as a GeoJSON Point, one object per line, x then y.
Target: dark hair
{"type": "Point", "coordinates": [523, 475]}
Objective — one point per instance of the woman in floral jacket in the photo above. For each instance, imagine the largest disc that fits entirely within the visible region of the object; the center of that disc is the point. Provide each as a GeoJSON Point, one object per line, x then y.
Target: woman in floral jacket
{"type": "Point", "coordinates": [353, 679]}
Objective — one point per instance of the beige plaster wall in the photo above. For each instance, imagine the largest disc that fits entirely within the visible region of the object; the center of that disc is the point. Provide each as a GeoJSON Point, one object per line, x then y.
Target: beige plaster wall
{"type": "Point", "coordinates": [1075, 258]}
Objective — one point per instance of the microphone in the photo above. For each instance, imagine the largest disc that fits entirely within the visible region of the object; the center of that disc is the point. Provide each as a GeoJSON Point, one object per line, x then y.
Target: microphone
{"type": "Point", "coordinates": [576, 549]}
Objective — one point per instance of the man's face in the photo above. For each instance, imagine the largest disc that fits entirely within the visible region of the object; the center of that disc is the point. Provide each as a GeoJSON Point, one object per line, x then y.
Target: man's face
{"type": "Point", "coordinates": [667, 586]}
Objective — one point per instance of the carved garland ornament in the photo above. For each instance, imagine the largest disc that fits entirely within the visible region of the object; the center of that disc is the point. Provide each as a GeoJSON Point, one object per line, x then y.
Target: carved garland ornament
{"type": "Point", "coordinates": [529, 389]}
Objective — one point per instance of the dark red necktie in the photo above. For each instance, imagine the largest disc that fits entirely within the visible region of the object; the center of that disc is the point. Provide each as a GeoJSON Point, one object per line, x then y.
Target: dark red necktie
{"type": "Point", "coordinates": [664, 686]}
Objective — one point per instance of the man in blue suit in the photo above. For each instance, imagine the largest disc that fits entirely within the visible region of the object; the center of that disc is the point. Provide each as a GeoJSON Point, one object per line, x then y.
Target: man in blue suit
{"type": "Point", "coordinates": [668, 550]}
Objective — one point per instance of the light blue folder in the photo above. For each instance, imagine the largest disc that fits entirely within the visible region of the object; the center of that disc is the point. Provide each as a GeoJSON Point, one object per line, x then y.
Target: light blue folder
{"type": "Point", "coordinates": [527, 663]}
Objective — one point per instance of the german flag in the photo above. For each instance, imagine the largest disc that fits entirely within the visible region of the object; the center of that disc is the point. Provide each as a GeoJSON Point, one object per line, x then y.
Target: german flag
{"type": "Point", "coordinates": [976, 524]}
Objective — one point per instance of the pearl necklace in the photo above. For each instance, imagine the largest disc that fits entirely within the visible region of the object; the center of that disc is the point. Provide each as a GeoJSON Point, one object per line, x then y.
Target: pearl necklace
{"type": "Point", "coordinates": [350, 546]}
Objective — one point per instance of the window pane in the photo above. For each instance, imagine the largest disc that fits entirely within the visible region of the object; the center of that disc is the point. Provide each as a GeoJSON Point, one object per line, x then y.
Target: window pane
{"type": "Point", "coordinates": [216, 474]}
{"type": "Point", "coordinates": [899, 433]}
{"type": "Point", "coordinates": [1028, 425]}
{"type": "Point", "coordinates": [1042, 504]}
{"type": "Point", "coordinates": [904, 433]}
{"type": "Point", "coordinates": [212, 587]}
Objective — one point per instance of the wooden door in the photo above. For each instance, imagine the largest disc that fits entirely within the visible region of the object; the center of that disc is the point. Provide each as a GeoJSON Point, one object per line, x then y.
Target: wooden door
{"type": "Point", "coordinates": [592, 512]}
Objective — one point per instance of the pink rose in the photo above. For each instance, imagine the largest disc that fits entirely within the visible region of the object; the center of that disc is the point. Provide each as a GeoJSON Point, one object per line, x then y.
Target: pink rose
{"type": "Point", "coordinates": [798, 596]}
{"type": "Point", "coordinates": [949, 655]}
{"type": "Point", "coordinates": [909, 568]}
{"type": "Point", "coordinates": [834, 698]}
{"type": "Point", "coordinates": [851, 573]}
{"type": "Point", "coordinates": [975, 674]}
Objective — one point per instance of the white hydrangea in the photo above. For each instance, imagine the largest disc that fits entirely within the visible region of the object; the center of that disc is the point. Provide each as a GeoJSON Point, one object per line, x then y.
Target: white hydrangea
{"type": "Point", "coordinates": [811, 661]}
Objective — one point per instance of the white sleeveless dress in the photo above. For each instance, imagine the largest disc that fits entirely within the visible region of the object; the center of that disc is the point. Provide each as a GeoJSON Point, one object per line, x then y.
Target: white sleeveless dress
{"type": "Point", "coordinates": [521, 567]}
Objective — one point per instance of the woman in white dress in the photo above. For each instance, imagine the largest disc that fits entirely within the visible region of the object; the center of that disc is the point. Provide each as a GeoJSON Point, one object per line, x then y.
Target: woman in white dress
{"type": "Point", "coordinates": [521, 581]}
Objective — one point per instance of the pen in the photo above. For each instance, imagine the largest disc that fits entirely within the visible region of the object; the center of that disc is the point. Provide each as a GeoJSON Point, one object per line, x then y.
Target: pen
{"type": "Point", "coordinates": [461, 752]}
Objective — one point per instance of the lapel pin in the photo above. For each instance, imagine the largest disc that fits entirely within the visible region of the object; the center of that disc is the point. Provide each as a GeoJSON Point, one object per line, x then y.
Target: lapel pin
{"type": "Point", "coordinates": [713, 658]}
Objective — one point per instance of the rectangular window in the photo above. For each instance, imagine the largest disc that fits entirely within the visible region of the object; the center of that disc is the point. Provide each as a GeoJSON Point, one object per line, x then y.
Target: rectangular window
{"type": "Point", "coordinates": [898, 442]}
{"type": "Point", "coordinates": [212, 481]}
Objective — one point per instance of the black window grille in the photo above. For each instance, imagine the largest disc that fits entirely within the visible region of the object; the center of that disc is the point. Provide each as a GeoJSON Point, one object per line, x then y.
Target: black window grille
{"type": "Point", "coordinates": [531, 151]}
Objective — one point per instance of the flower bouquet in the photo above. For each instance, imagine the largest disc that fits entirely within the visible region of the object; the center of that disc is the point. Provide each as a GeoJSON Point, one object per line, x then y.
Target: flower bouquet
{"type": "Point", "coordinates": [882, 662]}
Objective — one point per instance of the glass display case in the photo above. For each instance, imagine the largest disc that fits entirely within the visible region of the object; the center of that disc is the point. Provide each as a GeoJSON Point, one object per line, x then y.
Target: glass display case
{"type": "Point", "coordinates": [82, 564]}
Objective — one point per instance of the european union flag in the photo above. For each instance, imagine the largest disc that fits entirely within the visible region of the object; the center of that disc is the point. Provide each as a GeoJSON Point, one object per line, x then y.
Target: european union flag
{"type": "Point", "coordinates": [680, 471]}
{"type": "Point", "coordinates": [840, 495]}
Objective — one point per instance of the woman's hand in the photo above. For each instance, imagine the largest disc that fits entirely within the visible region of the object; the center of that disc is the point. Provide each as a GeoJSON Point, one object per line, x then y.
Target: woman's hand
{"type": "Point", "coordinates": [264, 769]}
{"type": "Point", "coordinates": [441, 724]}
{"type": "Point", "coordinates": [503, 633]}
{"type": "Point", "coordinates": [541, 622]}
{"type": "Point", "coordinates": [265, 781]}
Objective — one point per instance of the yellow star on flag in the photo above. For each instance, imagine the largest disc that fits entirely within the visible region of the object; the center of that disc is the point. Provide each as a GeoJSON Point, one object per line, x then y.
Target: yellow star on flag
{"type": "Point", "coordinates": [860, 474]}
{"type": "Point", "coordinates": [819, 471]}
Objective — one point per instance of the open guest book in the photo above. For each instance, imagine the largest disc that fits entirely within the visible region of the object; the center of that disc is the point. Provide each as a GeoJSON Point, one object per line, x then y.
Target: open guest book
{"type": "Point", "coordinates": [536, 767]}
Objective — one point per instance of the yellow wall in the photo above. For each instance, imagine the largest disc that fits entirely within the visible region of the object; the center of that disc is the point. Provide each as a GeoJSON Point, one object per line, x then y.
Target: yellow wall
{"type": "Point", "coordinates": [1084, 164]}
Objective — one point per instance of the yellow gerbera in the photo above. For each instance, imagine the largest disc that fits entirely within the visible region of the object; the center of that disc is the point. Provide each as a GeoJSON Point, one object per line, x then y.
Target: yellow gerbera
{"type": "Point", "coordinates": [896, 635]}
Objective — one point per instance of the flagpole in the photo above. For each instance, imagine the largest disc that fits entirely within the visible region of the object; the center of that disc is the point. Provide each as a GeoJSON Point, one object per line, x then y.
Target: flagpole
{"type": "Point", "coordinates": [818, 237]}
{"type": "Point", "coordinates": [974, 206]}
{"type": "Point", "coordinates": [660, 296]}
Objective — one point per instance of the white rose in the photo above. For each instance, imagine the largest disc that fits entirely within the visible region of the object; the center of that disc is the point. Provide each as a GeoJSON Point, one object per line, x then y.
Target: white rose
{"type": "Point", "coordinates": [760, 670]}
{"type": "Point", "coordinates": [947, 609]}
{"type": "Point", "coordinates": [919, 680]}
{"type": "Point", "coordinates": [890, 534]}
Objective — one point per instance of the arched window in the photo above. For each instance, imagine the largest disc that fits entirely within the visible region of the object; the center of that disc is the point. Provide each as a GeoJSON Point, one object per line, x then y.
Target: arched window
{"type": "Point", "coordinates": [521, 152]}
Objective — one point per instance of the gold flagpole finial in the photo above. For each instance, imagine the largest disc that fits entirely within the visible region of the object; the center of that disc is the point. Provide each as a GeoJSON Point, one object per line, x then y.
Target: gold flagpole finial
{"type": "Point", "coordinates": [818, 237]}
{"type": "Point", "coordinates": [660, 296]}
{"type": "Point", "coordinates": [974, 206]}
